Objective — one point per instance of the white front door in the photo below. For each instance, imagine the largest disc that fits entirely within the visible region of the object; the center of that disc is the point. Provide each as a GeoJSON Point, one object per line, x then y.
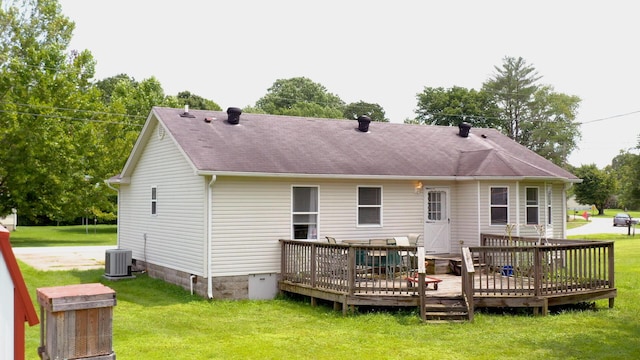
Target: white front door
{"type": "Point", "coordinates": [437, 232]}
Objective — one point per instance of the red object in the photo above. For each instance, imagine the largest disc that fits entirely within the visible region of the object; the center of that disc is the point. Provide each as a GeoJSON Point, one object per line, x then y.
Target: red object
{"type": "Point", "coordinates": [23, 310]}
{"type": "Point", "coordinates": [427, 280]}
{"type": "Point", "coordinates": [585, 215]}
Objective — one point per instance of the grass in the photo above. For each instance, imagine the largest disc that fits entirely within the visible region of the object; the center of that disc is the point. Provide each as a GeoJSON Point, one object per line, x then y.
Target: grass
{"type": "Point", "coordinates": [79, 235]}
{"type": "Point", "coordinates": [156, 320]}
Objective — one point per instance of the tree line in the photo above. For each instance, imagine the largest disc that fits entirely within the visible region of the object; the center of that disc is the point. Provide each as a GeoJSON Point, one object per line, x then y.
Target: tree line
{"type": "Point", "coordinates": [63, 132]}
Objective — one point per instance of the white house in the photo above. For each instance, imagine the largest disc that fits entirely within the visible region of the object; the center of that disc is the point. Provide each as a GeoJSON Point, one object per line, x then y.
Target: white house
{"type": "Point", "coordinates": [16, 307]}
{"type": "Point", "coordinates": [10, 221]}
{"type": "Point", "coordinates": [205, 195]}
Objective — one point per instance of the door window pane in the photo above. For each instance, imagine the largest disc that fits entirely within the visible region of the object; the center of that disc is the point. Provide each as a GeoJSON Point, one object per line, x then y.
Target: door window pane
{"type": "Point", "coordinates": [434, 206]}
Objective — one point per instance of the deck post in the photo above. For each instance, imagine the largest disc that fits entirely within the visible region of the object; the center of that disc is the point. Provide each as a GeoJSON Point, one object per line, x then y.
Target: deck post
{"type": "Point", "coordinates": [422, 292]}
{"type": "Point", "coordinates": [468, 272]}
{"type": "Point", "coordinates": [537, 270]}
{"type": "Point", "coordinates": [612, 278]}
{"type": "Point", "coordinates": [351, 270]}
{"type": "Point", "coordinates": [313, 260]}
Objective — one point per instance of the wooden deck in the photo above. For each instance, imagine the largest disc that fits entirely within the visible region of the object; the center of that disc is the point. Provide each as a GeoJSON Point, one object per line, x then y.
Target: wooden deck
{"type": "Point", "coordinates": [514, 272]}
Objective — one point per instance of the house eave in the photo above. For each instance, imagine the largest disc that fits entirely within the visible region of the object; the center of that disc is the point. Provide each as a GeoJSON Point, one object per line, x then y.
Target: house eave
{"type": "Point", "coordinates": [383, 177]}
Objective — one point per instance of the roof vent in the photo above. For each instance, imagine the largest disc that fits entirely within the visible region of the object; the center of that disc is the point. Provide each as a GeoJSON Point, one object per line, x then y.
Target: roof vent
{"type": "Point", "coordinates": [234, 115]}
{"type": "Point", "coordinates": [464, 129]}
{"type": "Point", "coordinates": [363, 123]}
{"type": "Point", "coordinates": [186, 112]}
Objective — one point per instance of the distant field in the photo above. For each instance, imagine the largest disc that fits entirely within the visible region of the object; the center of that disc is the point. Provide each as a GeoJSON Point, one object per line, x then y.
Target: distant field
{"type": "Point", "coordinates": [78, 235]}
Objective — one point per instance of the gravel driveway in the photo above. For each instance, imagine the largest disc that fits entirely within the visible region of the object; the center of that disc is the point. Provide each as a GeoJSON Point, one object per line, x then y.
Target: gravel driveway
{"type": "Point", "coordinates": [599, 226]}
{"type": "Point", "coordinates": [63, 257]}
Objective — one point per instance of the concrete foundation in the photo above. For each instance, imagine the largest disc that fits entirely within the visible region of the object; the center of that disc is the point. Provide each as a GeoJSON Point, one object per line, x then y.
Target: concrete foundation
{"type": "Point", "coordinates": [224, 287]}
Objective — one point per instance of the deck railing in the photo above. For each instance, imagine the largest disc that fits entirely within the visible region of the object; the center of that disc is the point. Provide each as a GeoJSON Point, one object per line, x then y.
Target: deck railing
{"type": "Point", "coordinates": [515, 271]}
{"type": "Point", "coordinates": [349, 268]}
{"type": "Point", "coordinates": [522, 266]}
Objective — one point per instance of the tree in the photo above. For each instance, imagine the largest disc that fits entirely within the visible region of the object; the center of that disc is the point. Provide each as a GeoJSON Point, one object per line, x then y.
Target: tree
{"type": "Point", "coordinates": [551, 130]}
{"type": "Point", "coordinates": [450, 107]}
{"type": "Point", "coordinates": [596, 187]}
{"type": "Point", "coordinates": [46, 100]}
{"type": "Point", "coordinates": [124, 94]}
{"type": "Point", "coordinates": [196, 102]}
{"type": "Point", "coordinates": [300, 97]}
{"type": "Point", "coordinates": [534, 115]}
{"type": "Point", "coordinates": [374, 111]}
{"type": "Point", "coordinates": [626, 170]}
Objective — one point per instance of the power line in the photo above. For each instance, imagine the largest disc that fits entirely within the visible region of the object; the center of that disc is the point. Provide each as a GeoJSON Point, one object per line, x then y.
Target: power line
{"type": "Point", "coordinates": [610, 117]}
{"type": "Point", "coordinates": [62, 117]}
{"type": "Point", "coordinates": [70, 109]}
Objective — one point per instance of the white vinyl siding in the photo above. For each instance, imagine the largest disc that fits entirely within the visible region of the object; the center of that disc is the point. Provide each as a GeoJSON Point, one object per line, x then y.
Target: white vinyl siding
{"type": "Point", "coordinates": [175, 237]}
{"type": "Point", "coordinates": [7, 308]}
{"type": "Point", "coordinates": [465, 216]}
{"type": "Point", "coordinates": [251, 214]}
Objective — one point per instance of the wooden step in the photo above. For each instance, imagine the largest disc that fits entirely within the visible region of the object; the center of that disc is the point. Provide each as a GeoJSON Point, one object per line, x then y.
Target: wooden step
{"type": "Point", "coordinates": [448, 309]}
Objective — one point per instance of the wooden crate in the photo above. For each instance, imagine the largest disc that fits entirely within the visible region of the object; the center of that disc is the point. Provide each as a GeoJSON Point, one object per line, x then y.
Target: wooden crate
{"type": "Point", "coordinates": [78, 322]}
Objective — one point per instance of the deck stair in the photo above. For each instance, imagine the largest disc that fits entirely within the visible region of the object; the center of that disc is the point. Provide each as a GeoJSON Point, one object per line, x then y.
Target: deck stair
{"type": "Point", "coordinates": [446, 310]}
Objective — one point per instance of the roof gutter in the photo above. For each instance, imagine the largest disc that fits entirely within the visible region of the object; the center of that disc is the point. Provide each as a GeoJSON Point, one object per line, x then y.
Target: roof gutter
{"type": "Point", "coordinates": [382, 177]}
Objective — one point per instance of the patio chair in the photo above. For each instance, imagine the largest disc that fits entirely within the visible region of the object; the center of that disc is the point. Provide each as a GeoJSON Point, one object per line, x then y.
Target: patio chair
{"type": "Point", "coordinates": [414, 239]}
{"type": "Point", "coordinates": [331, 240]}
{"type": "Point", "coordinates": [406, 257]}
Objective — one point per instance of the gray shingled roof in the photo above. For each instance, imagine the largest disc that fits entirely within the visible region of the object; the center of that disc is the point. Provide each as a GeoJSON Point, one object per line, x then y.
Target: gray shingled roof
{"type": "Point", "coordinates": [270, 144]}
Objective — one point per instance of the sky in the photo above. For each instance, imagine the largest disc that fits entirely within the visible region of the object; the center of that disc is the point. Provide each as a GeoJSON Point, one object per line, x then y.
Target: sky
{"type": "Point", "coordinates": [383, 52]}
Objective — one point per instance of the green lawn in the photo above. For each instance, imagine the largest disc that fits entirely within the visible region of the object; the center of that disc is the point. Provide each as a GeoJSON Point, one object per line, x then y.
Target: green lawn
{"type": "Point", "coordinates": [39, 236]}
{"type": "Point", "coordinates": [155, 320]}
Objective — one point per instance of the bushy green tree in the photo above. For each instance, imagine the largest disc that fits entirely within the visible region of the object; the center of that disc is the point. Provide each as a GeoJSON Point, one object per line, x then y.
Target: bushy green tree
{"type": "Point", "coordinates": [300, 97]}
{"type": "Point", "coordinates": [450, 107]}
{"type": "Point", "coordinates": [46, 101]}
{"type": "Point", "coordinates": [533, 114]}
{"type": "Point", "coordinates": [195, 101]}
{"type": "Point", "coordinates": [626, 169]}
{"type": "Point", "coordinates": [354, 110]}
{"type": "Point", "coordinates": [513, 102]}
{"type": "Point", "coordinates": [596, 188]}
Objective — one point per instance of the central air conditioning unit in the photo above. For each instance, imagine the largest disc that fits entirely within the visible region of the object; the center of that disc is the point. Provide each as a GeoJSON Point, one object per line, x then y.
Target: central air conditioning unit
{"type": "Point", "coordinates": [117, 263]}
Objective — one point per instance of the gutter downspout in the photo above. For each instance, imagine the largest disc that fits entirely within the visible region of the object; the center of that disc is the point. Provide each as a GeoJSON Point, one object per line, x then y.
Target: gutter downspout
{"type": "Point", "coordinates": [565, 213]}
{"type": "Point", "coordinates": [118, 207]}
{"type": "Point", "coordinates": [209, 237]}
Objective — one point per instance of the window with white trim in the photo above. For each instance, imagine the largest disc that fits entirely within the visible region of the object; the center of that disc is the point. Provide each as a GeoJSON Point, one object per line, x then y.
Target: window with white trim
{"type": "Point", "coordinates": [154, 200]}
{"type": "Point", "coordinates": [304, 212]}
{"type": "Point", "coordinates": [369, 205]}
{"type": "Point", "coordinates": [532, 205]}
{"type": "Point", "coordinates": [499, 205]}
{"type": "Point", "coordinates": [549, 216]}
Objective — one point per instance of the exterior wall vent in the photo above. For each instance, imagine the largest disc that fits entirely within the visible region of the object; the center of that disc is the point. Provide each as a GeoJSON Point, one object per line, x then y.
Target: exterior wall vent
{"type": "Point", "coordinates": [363, 123]}
{"type": "Point", "coordinates": [117, 263]}
{"type": "Point", "coordinates": [464, 129]}
{"type": "Point", "coordinates": [234, 115]}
